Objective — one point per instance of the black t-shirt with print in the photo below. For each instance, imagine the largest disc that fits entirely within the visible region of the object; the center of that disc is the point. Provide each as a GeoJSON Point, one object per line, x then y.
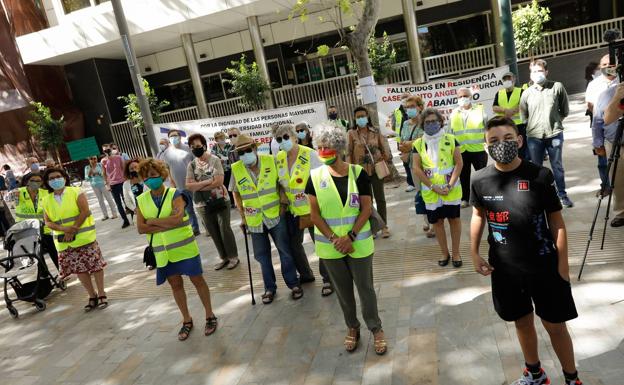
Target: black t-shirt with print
{"type": "Point", "coordinates": [516, 205]}
{"type": "Point", "coordinates": [342, 185]}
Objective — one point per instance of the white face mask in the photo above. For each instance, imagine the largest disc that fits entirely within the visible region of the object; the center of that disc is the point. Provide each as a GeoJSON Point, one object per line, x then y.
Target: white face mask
{"type": "Point", "coordinates": [162, 147]}
{"type": "Point", "coordinates": [507, 84]}
{"type": "Point", "coordinates": [596, 74]}
{"type": "Point", "coordinates": [463, 101]}
{"type": "Point", "coordinates": [538, 77]}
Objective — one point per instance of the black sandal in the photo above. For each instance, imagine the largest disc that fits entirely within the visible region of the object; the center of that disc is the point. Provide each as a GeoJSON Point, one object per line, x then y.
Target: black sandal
{"type": "Point", "coordinates": [327, 289]}
{"type": "Point", "coordinates": [185, 330]}
{"type": "Point", "coordinates": [458, 263]}
{"type": "Point", "coordinates": [267, 297]}
{"type": "Point", "coordinates": [444, 262]}
{"type": "Point", "coordinates": [92, 304]}
{"type": "Point", "coordinates": [103, 303]}
{"type": "Point", "coordinates": [211, 325]}
{"type": "Point", "coordinates": [297, 293]}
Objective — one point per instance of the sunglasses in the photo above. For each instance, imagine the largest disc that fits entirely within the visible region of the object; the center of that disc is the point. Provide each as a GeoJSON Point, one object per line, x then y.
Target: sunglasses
{"type": "Point", "coordinates": [280, 138]}
{"type": "Point", "coordinates": [243, 152]}
{"type": "Point", "coordinates": [232, 136]}
{"type": "Point", "coordinates": [301, 130]}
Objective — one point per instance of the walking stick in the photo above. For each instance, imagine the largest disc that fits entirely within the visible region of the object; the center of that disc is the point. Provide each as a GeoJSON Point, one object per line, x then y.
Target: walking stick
{"type": "Point", "coordinates": [253, 299]}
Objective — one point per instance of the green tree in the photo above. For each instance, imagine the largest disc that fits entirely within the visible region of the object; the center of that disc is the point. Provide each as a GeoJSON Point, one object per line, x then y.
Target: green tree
{"type": "Point", "coordinates": [248, 83]}
{"type": "Point", "coordinates": [46, 130]}
{"type": "Point", "coordinates": [133, 111]}
{"type": "Point", "coordinates": [382, 57]}
{"type": "Point", "coordinates": [528, 26]}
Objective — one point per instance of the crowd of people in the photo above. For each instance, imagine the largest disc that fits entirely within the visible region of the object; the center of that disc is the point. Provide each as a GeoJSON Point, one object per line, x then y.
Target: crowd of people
{"type": "Point", "coordinates": [324, 181]}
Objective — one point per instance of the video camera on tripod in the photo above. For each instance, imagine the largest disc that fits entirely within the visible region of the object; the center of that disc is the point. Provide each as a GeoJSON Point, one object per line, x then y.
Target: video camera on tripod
{"type": "Point", "coordinates": [616, 60]}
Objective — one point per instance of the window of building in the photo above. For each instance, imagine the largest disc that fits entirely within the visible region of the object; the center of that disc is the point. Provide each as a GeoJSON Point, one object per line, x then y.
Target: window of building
{"type": "Point", "coordinates": [76, 5]}
{"type": "Point", "coordinates": [274, 73]}
{"type": "Point", "coordinates": [213, 88]}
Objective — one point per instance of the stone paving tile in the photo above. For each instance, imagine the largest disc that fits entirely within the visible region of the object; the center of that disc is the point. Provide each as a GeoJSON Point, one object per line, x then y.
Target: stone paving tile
{"type": "Point", "coordinates": [440, 323]}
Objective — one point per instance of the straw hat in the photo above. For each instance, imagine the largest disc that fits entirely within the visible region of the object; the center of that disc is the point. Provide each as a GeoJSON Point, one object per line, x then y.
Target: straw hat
{"type": "Point", "coordinates": [244, 141]}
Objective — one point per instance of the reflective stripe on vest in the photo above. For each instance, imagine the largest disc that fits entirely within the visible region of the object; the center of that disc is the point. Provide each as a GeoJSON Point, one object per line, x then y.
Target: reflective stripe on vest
{"type": "Point", "coordinates": [175, 244]}
{"type": "Point", "coordinates": [470, 136]}
{"type": "Point", "coordinates": [258, 200]}
{"type": "Point", "coordinates": [294, 185]}
{"type": "Point", "coordinates": [398, 123]}
{"type": "Point", "coordinates": [439, 174]}
{"type": "Point", "coordinates": [512, 103]}
{"type": "Point", "coordinates": [66, 214]}
{"type": "Point", "coordinates": [340, 218]}
{"type": "Point", "coordinates": [25, 208]}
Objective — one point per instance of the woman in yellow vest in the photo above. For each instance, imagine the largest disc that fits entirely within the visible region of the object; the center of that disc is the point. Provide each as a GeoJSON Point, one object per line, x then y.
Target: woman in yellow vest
{"type": "Point", "coordinates": [161, 215]}
{"type": "Point", "coordinates": [29, 205]}
{"type": "Point", "coordinates": [437, 162]}
{"type": "Point", "coordinates": [66, 211]}
{"type": "Point", "coordinates": [340, 205]}
{"type": "Point", "coordinates": [294, 163]}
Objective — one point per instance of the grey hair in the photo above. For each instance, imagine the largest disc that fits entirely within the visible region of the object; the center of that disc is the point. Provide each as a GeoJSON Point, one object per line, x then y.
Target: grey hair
{"type": "Point", "coordinates": [329, 135]}
{"type": "Point", "coordinates": [302, 124]}
{"type": "Point", "coordinates": [431, 111]}
{"type": "Point", "coordinates": [285, 129]}
{"type": "Point", "coordinates": [465, 89]}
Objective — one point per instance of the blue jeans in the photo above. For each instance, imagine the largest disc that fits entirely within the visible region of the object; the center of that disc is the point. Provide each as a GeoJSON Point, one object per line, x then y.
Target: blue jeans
{"type": "Point", "coordinates": [603, 161]}
{"type": "Point", "coordinates": [190, 210]}
{"type": "Point", "coordinates": [262, 254]}
{"type": "Point", "coordinates": [554, 147]}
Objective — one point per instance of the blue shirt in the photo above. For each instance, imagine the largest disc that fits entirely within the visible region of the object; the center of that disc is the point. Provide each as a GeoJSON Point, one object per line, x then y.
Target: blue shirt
{"type": "Point", "coordinates": [600, 132]}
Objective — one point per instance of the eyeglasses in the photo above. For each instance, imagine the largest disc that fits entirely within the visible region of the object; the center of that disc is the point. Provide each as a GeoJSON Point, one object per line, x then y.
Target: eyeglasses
{"type": "Point", "coordinates": [243, 152]}
{"type": "Point", "coordinates": [279, 138]}
{"type": "Point", "coordinates": [232, 136]}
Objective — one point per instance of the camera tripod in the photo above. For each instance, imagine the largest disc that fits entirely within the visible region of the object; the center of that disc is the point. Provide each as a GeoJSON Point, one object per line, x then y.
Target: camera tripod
{"type": "Point", "coordinates": [614, 158]}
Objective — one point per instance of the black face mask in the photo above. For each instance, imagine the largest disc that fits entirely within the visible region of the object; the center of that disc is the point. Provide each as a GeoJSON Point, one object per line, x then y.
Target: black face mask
{"type": "Point", "coordinates": [108, 151]}
{"type": "Point", "coordinates": [134, 174]}
{"type": "Point", "coordinates": [198, 151]}
{"type": "Point", "coordinates": [333, 116]}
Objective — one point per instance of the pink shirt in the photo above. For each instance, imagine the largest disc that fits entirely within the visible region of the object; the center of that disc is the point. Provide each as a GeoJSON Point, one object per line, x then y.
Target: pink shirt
{"type": "Point", "coordinates": [114, 166]}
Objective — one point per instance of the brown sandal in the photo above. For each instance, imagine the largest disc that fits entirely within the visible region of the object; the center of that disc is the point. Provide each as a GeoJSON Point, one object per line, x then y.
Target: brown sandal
{"type": "Point", "coordinates": [185, 330]}
{"type": "Point", "coordinates": [380, 344]}
{"type": "Point", "coordinates": [351, 342]}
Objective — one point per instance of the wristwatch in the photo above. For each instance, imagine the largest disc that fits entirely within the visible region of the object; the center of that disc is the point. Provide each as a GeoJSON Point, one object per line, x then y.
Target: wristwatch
{"type": "Point", "coordinates": [352, 235]}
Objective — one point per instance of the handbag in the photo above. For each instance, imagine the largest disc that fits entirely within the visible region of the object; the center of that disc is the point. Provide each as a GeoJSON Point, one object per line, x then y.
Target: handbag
{"type": "Point", "coordinates": [149, 258]}
{"type": "Point", "coordinates": [211, 204]}
{"type": "Point", "coordinates": [405, 156]}
{"type": "Point", "coordinates": [381, 168]}
{"type": "Point", "coordinates": [376, 222]}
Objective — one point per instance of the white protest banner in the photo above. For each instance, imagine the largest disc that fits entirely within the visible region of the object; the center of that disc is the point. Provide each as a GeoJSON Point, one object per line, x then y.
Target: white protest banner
{"type": "Point", "coordinates": [255, 124]}
{"type": "Point", "coordinates": [441, 94]}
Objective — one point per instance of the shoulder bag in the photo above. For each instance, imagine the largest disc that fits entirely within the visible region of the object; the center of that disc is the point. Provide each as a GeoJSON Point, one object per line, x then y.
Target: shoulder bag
{"type": "Point", "coordinates": [149, 258]}
{"type": "Point", "coordinates": [212, 204]}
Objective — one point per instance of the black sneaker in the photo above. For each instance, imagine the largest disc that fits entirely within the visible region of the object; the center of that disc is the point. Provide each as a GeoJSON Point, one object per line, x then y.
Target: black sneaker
{"type": "Point", "coordinates": [125, 224]}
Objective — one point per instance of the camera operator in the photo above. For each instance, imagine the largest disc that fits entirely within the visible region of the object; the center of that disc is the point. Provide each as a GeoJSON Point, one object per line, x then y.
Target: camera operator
{"type": "Point", "coordinates": [606, 114]}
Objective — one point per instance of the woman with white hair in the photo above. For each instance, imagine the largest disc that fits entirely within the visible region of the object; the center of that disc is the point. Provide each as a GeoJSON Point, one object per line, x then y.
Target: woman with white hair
{"type": "Point", "coordinates": [437, 162]}
{"type": "Point", "coordinates": [294, 163]}
{"type": "Point", "coordinates": [340, 207]}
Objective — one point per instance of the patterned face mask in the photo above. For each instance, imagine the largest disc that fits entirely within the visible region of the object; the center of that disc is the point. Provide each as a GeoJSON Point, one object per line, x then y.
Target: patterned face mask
{"type": "Point", "coordinates": [504, 152]}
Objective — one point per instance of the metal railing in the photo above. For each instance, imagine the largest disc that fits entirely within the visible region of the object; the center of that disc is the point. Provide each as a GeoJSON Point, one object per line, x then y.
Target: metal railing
{"type": "Point", "coordinates": [578, 38]}
{"type": "Point", "coordinates": [227, 107]}
{"type": "Point", "coordinates": [460, 62]}
{"type": "Point", "coordinates": [129, 139]}
{"type": "Point", "coordinates": [339, 91]}
{"type": "Point", "coordinates": [401, 74]}
{"type": "Point", "coordinates": [188, 113]}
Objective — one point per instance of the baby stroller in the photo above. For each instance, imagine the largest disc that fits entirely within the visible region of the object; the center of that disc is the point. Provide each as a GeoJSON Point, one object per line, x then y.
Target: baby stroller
{"type": "Point", "coordinates": [25, 259]}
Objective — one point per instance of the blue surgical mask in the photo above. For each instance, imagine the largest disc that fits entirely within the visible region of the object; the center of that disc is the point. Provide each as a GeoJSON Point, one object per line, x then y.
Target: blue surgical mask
{"type": "Point", "coordinates": [362, 121]}
{"type": "Point", "coordinates": [162, 147]}
{"type": "Point", "coordinates": [249, 158]}
{"type": "Point", "coordinates": [286, 145]}
{"type": "Point", "coordinates": [175, 140]}
{"type": "Point", "coordinates": [411, 112]}
{"type": "Point", "coordinates": [538, 77]}
{"type": "Point", "coordinates": [154, 183]}
{"type": "Point", "coordinates": [57, 183]}
{"type": "Point", "coordinates": [34, 167]}
{"type": "Point", "coordinates": [301, 135]}
{"type": "Point", "coordinates": [432, 128]}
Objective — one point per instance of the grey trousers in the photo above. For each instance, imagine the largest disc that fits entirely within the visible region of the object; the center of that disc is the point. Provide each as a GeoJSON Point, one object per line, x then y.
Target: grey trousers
{"type": "Point", "coordinates": [380, 196]}
{"type": "Point", "coordinates": [218, 226]}
{"type": "Point", "coordinates": [345, 272]}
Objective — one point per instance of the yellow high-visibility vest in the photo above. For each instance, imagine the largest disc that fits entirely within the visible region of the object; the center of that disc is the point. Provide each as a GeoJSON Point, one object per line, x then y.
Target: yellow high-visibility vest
{"type": "Point", "coordinates": [25, 208]}
{"type": "Point", "coordinates": [340, 218]}
{"type": "Point", "coordinates": [175, 244]}
{"type": "Point", "coordinates": [439, 174]}
{"type": "Point", "coordinates": [470, 136]}
{"type": "Point", "coordinates": [66, 214]}
{"type": "Point", "coordinates": [513, 102]}
{"type": "Point", "coordinates": [261, 199]}
{"type": "Point", "coordinates": [398, 124]}
{"type": "Point", "coordinates": [295, 184]}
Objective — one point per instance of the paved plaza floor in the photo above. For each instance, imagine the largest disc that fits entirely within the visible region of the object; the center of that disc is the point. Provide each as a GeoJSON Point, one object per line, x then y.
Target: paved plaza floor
{"type": "Point", "coordinates": [439, 322]}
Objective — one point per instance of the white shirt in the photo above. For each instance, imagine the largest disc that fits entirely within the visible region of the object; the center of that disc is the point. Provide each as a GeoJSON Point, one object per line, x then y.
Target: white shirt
{"type": "Point", "coordinates": [596, 87]}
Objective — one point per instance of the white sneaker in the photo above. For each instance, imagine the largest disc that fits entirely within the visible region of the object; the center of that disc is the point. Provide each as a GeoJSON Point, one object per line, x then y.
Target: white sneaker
{"type": "Point", "coordinates": [464, 204]}
{"type": "Point", "coordinates": [410, 188]}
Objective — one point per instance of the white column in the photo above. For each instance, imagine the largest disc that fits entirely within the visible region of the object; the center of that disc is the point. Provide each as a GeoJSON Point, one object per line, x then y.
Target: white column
{"type": "Point", "coordinates": [258, 49]}
{"type": "Point", "coordinates": [497, 33]}
{"type": "Point", "coordinates": [411, 29]}
{"type": "Point", "coordinates": [191, 62]}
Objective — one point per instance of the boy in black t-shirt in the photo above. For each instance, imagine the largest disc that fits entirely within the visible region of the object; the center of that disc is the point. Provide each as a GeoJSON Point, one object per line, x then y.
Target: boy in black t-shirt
{"type": "Point", "coordinates": [528, 256]}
